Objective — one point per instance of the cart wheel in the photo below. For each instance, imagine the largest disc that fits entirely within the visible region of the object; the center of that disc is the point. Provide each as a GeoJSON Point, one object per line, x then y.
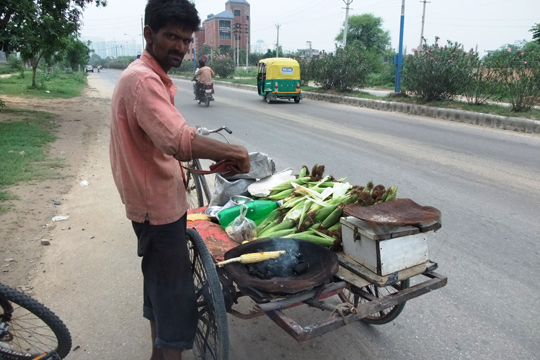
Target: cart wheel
{"type": "Point", "coordinates": [297, 99]}
{"type": "Point", "coordinates": [268, 99]}
{"type": "Point", "coordinates": [212, 337]}
{"type": "Point", "coordinates": [382, 317]}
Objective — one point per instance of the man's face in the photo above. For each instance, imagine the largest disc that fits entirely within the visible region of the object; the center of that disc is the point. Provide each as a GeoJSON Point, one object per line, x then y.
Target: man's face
{"type": "Point", "coordinates": [169, 45]}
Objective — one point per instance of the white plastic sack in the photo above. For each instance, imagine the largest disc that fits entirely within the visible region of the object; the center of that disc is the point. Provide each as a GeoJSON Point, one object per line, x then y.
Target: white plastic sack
{"type": "Point", "coordinates": [242, 229]}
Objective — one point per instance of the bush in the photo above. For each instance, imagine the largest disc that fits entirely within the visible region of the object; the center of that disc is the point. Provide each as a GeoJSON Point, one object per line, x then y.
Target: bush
{"type": "Point", "coordinates": [305, 74]}
{"type": "Point", "coordinates": [223, 66]}
{"type": "Point", "coordinates": [346, 69]}
{"type": "Point", "coordinates": [435, 72]}
{"type": "Point", "coordinates": [386, 77]}
{"type": "Point", "coordinates": [516, 72]}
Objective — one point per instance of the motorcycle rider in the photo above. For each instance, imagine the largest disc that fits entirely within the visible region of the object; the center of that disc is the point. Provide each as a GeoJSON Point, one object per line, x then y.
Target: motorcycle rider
{"type": "Point", "coordinates": [204, 73]}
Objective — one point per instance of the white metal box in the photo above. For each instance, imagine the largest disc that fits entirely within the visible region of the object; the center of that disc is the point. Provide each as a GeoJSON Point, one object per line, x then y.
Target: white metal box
{"type": "Point", "coordinates": [385, 251]}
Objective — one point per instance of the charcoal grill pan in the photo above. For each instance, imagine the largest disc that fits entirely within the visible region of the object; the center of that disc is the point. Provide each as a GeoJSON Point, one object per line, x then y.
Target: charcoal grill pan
{"type": "Point", "coordinates": [323, 264]}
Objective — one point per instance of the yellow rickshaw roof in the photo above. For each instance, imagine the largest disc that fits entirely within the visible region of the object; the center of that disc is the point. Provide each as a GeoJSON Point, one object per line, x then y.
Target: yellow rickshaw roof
{"type": "Point", "coordinates": [279, 61]}
{"type": "Point", "coordinates": [273, 64]}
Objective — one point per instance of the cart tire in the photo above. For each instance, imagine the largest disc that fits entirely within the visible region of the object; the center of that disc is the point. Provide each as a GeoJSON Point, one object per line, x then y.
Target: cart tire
{"type": "Point", "coordinates": [193, 188]}
{"type": "Point", "coordinates": [268, 99]}
{"type": "Point", "coordinates": [382, 317]}
{"type": "Point", "coordinates": [212, 337]}
{"type": "Point", "coordinates": [297, 99]}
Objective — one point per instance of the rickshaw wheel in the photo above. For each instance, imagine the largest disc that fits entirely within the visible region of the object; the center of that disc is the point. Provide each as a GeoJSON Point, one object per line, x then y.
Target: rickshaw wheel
{"type": "Point", "coordinates": [296, 99]}
{"type": "Point", "coordinates": [212, 335]}
{"type": "Point", "coordinates": [382, 317]}
{"type": "Point", "coordinates": [268, 99]}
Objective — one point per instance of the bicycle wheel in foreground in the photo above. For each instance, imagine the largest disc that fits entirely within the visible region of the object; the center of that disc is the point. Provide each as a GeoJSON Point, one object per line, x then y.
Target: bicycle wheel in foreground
{"type": "Point", "coordinates": [212, 337]}
{"type": "Point", "coordinates": [28, 328]}
{"type": "Point", "coordinates": [381, 317]}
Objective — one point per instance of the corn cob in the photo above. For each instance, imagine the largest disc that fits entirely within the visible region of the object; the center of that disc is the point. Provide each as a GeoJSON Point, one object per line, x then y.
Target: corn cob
{"type": "Point", "coordinates": [325, 212]}
{"type": "Point", "coordinates": [277, 234]}
{"type": "Point", "coordinates": [253, 257]}
{"type": "Point", "coordinates": [281, 195]}
{"type": "Point", "coordinates": [332, 218]}
{"type": "Point", "coordinates": [310, 236]}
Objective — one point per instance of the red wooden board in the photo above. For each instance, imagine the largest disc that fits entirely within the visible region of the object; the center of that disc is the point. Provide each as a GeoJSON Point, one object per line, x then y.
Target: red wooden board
{"type": "Point", "coordinates": [215, 237]}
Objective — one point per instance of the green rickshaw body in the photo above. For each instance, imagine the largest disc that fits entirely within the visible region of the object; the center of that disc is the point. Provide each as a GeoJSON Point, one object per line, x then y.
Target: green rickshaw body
{"type": "Point", "coordinates": [279, 78]}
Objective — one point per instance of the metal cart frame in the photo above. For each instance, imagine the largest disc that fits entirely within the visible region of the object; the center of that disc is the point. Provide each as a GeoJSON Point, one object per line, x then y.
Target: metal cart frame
{"type": "Point", "coordinates": [364, 295]}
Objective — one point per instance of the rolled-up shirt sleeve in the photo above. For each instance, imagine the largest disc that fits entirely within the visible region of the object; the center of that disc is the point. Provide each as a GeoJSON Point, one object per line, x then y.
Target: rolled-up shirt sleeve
{"type": "Point", "coordinates": [161, 121]}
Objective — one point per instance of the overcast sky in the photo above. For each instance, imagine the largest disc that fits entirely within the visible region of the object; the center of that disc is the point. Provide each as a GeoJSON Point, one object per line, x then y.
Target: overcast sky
{"type": "Point", "coordinates": [486, 23]}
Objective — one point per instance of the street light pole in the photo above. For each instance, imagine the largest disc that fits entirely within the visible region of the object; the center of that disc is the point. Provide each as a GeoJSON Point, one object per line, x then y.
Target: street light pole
{"type": "Point", "coordinates": [132, 38]}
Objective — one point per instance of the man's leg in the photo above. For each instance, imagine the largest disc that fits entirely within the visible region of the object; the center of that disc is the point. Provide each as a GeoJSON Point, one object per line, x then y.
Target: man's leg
{"type": "Point", "coordinates": [162, 354]}
{"type": "Point", "coordinates": [157, 354]}
{"type": "Point", "coordinates": [168, 287]}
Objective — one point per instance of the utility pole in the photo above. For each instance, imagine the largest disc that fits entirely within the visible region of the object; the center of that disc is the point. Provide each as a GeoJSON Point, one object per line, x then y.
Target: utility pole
{"type": "Point", "coordinates": [277, 44]}
{"type": "Point", "coordinates": [400, 54]}
{"type": "Point", "coordinates": [247, 45]}
{"type": "Point", "coordinates": [423, 19]}
{"type": "Point", "coordinates": [347, 2]}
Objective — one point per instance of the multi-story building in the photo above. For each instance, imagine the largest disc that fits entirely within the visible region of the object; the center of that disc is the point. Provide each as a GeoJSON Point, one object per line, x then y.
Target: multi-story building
{"type": "Point", "coordinates": [225, 31]}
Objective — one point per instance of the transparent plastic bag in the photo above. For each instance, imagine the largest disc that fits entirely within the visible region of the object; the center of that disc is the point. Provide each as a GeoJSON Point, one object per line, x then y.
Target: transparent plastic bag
{"type": "Point", "coordinates": [242, 229]}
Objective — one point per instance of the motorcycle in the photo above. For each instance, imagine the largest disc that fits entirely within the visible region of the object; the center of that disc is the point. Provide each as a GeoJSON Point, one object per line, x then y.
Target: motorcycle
{"type": "Point", "coordinates": [205, 94]}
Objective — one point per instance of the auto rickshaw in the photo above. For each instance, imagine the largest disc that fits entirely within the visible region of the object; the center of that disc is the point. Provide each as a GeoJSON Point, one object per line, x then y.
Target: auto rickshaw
{"type": "Point", "coordinates": [279, 78]}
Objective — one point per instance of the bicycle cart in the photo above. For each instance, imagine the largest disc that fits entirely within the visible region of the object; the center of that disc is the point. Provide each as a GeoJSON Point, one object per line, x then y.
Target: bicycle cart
{"type": "Point", "coordinates": [362, 294]}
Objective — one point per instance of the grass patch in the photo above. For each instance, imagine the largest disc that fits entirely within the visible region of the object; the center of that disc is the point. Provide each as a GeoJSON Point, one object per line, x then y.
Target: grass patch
{"type": "Point", "coordinates": [25, 138]}
{"type": "Point", "coordinates": [57, 84]}
{"type": "Point", "coordinates": [246, 81]}
{"type": "Point", "coordinates": [494, 109]}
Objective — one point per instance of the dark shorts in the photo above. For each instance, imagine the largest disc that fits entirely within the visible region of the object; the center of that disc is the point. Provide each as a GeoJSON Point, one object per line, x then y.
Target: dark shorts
{"type": "Point", "coordinates": [169, 293]}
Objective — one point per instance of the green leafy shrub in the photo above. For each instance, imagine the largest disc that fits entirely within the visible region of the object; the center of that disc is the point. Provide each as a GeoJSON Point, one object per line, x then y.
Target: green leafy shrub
{"type": "Point", "coordinates": [435, 72]}
{"type": "Point", "coordinates": [305, 74]}
{"type": "Point", "coordinates": [516, 73]}
{"type": "Point", "coordinates": [223, 66]}
{"type": "Point", "coordinates": [346, 69]}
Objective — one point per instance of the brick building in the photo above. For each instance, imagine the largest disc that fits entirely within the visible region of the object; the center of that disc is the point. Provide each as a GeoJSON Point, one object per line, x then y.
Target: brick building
{"type": "Point", "coordinates": [224, 31]}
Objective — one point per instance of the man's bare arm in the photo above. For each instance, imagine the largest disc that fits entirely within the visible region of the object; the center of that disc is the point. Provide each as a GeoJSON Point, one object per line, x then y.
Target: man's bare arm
{"type": "Point", "coordinates": [205, 148]}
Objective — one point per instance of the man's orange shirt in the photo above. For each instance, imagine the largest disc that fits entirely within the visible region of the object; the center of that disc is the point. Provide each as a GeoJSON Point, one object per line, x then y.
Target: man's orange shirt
{"type": "Point", "coordinates": [205, 74]}
{"type": "Point", "coordinates": [148, 137]}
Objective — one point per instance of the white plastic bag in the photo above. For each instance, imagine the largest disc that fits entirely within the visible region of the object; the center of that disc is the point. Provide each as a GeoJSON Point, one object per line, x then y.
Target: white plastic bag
{"type": "Point", "coordinates": [242, 229]}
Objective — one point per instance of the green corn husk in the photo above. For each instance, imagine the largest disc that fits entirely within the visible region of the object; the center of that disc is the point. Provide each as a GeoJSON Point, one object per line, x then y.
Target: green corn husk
{"type": "Point", "coordinates": [310, 236]}
{"type": "Point", "coordinates": [281, 195]}
{"type": "Point", "coordinates": [277, 234]}
{"type": "Point", "coordinates": [271, 217]}
{"type": "Point", "coordinates": [336, 226]}
{"type": "Point", "coordinates": [288, 184]}
{"type": "Point", "coordinates": [332, 218]}
{"type": "Point", "coordinates": [284, 225]}
{"type": "Point", "coordinates": [325, 212]}
{"type": "Point", "coordinates": [392, 193]}
{"type": "Point", "coordinates": [321, 184]}
{"type": "Point", "coordinates": [303, 171]}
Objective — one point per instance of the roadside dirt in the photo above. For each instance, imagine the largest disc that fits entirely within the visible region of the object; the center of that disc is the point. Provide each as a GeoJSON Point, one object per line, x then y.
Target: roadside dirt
{"type": "Point", "coordinates": [29, 220]}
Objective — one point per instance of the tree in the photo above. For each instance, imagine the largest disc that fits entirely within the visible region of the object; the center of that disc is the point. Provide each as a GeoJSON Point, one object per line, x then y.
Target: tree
{"type": "Point", "coordinates": [366, 31]}
{"type": "Point", "coordinates": [536, 32]}
{"type": "Point", "coordinates": [76, 53]}
{"type": "Point", "coordinates": [39, 28]}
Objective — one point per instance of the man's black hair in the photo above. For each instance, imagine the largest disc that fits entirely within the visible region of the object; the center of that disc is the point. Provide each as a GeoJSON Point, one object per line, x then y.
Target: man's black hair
{"type": "Point", "coordinates": [201, 63]}
{"type": "Point", "coordinates": [160, 13]}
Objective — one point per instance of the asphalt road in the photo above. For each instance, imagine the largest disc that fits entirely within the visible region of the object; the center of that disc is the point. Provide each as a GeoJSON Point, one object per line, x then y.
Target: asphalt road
{"type": "Point", "coordinates": [485, 182]}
